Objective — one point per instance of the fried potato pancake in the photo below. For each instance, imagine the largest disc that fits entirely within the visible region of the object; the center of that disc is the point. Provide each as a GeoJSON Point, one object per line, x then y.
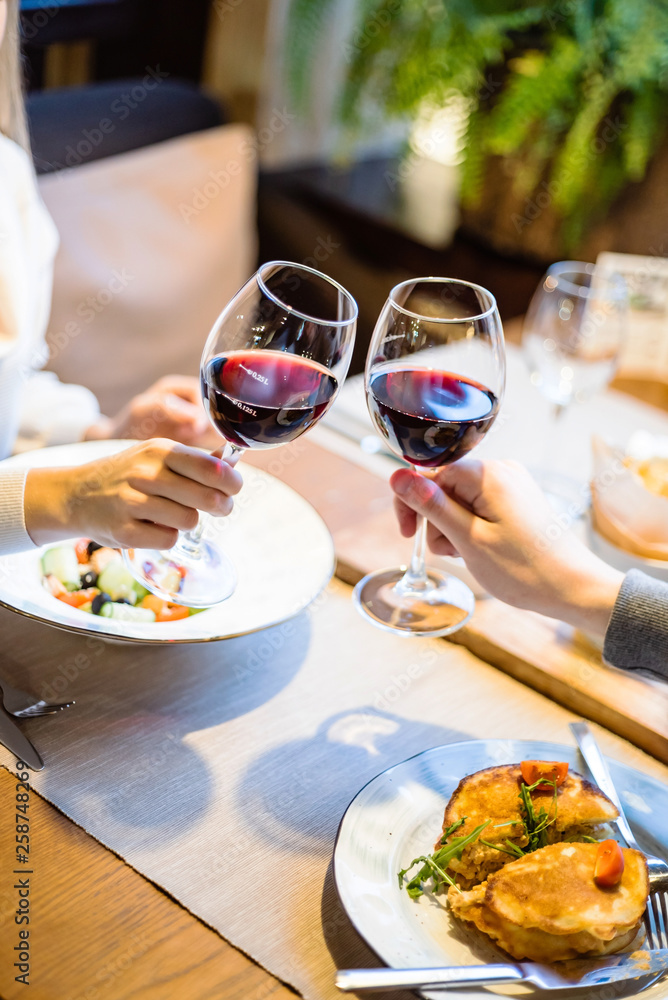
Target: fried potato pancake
{"type": "Point", "coordinates": [493, 794]}
{"type": "Point", "coordinates": [546, 906]}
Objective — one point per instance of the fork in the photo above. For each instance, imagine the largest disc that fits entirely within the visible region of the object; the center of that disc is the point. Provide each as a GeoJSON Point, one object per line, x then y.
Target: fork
{"type": "Point", "coordinates": [656, 913]}
{"type": "Point", "coordinates": [595, 761]}
{"type": "Point", "coordinates": [649, 966]}
{"type": "Point", "coordinates": [24, 706]}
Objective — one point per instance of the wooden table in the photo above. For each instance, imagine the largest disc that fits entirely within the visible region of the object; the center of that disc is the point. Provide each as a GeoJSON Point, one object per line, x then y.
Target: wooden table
{"type": "Point", "coordinates": [100, 930]}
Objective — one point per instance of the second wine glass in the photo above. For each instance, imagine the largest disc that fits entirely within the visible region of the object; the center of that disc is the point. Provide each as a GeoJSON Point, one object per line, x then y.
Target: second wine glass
{"type": "Point", "coordinates": [572, 338]}
{"type": "Point", "coordinates": [271, 367]}
{"type": "Point", "coordinates": [435, 377]}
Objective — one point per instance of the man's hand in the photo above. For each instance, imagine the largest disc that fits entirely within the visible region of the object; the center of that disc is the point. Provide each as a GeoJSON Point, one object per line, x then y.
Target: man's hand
{"type": "Point", "coordinates": [496, 518]}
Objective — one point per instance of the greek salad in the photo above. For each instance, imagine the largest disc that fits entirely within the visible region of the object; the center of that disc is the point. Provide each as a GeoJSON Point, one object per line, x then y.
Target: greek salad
{"type": "Point", "coordinates": [94, 579]}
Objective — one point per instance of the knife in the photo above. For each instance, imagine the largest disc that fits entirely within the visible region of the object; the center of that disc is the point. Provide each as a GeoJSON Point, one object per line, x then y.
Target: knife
{"type": "Point", "coordinates": [562, 975]}
{"type": "Point", "coordinates": [12, 738]}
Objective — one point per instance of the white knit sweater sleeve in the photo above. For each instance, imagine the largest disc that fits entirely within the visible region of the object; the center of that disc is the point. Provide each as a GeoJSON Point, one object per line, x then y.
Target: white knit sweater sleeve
{"type": "Point", "coordinates": [36, 410]}
{"type": "Point", "coordinates": [13, 534]}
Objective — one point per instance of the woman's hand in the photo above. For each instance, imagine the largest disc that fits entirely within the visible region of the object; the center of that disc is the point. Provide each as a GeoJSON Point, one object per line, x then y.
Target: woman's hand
{"type": "Point", "coordinates": [141, 497]}
{"type": "Point", "coordinates": [496, 518]}
{"type": "Point", "coordinates": [170, 408]}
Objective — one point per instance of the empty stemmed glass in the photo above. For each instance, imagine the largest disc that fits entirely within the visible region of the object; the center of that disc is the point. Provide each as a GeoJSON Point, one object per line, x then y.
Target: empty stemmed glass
{"type": "Point", "coordinates": [435, 377]}
{"type": "Point", "coordinates": [572, 337]}
{"type": "Point", "coordinates": [271, 367]}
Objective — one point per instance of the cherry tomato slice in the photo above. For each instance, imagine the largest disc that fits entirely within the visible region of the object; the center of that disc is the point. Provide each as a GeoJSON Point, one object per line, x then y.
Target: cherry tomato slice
{"type": "Point", "coordinates": [81, 549]}
{"type": "Point", "coordinates": [609, 866]}
{"type": "Point", "coordinates": [548, 770]}
{"type": "Point", "coordinates": [78, 597]}
{"type": "Point", "coordinates": [153, 603]}
{"type": "Point", "coordinates": [172, 613]}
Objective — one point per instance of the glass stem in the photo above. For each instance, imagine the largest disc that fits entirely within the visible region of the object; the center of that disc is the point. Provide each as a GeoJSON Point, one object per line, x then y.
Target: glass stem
{"type": "Point", "coordinates": [551, 440]}
{"type": "Point", "coordinates": [415, 579]}
{"type": "Point", "coordinates": [189, 540]}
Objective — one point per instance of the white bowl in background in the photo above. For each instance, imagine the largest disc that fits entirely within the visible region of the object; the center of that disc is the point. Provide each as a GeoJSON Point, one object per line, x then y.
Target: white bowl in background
{"type": "Point", "coordinates": [620, 558]}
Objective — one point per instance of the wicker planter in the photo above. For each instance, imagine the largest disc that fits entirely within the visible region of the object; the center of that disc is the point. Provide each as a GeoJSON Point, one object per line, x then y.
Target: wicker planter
{"type": "Point", "coordinates": [636, 223]}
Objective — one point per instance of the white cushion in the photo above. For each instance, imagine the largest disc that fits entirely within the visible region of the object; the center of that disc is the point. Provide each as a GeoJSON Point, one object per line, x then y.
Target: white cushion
{"type": "Point", "coordinates": [153, 244]}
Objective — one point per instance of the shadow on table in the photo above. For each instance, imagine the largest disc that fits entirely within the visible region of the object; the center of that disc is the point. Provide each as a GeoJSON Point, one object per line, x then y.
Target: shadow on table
{"type": "Point", "coordinates": [119, 760]}
{"type": "Point", "coordinates": [295, 794]}
{"type": "Point", "coordinates": [347, 948]}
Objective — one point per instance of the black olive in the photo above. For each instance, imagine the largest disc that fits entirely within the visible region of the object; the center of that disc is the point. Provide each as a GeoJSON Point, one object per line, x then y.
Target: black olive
{"type": "Point", "coordinates": [98, 601]}
{"type": "Point", "coordinates": [123, 600]}
{"type": "Point", "coordinates": [88, 579]}
{"type": "Point", "coordinates": [93, 547]}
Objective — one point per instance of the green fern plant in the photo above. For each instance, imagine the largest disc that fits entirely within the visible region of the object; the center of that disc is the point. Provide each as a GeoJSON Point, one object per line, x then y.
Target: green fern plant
{"type": "Point", "coordinates": [573, 92]}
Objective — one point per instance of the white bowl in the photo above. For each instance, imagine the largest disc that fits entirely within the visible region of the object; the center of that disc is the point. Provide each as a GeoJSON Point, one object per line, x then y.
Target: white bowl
{"type": "Point", "coordinates": [281, 548]}
{"type": "Point", "coordinates": [621, 559]}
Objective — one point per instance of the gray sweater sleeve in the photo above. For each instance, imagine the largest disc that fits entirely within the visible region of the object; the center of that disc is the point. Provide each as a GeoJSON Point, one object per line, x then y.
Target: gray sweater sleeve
{"type": "Point", "coordinates": [637, 635]}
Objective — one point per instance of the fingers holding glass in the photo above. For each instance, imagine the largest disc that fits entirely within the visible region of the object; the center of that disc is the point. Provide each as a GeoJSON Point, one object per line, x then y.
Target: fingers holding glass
{"type": "Point", "coordinates": [435, 377]}
{"type": "Point", "coordinates": [271, 367]}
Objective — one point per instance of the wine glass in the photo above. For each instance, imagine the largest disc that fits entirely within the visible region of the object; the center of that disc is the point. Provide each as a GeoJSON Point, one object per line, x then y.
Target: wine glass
{"type": "Point", "coordinates": [434, 379]}
{"type": "Point", "coordinates": [572, 337]}
{"type": "Point", "coordinates": [271, 367]}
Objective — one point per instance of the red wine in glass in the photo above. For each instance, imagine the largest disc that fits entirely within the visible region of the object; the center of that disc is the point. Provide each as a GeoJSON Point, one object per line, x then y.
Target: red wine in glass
{"type": "Point", "coordinates": [434, 380]}
{"type": "Point", "coordinates": [258, 399]}
{"type": "Point", "coordinates": [431, 417]}
{"type": "Point", "coordinates": [271, 367]}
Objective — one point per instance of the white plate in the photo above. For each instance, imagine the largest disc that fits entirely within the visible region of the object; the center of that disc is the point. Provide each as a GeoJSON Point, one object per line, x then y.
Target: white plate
{"type": "Point", "coordinates": [398, 816]}
{"type": "Point", "coordinates": [620, 558]}
{"type": "Point", "coordinates": [280, 546]}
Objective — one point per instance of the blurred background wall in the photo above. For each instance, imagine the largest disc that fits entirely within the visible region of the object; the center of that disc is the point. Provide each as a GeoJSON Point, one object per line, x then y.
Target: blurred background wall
{"type": "Point", "coordinates": [477, 140]}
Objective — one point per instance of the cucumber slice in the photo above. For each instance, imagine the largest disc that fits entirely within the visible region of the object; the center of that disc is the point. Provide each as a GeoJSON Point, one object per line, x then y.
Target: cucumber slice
{"type": "Point", "coordinates": [117, 581]}
{"type": "Point", "coordinates": [140, 591]}
{"type": "Point", "coordinates": [126, 613]}
{"type": "Point", "coordinates": [62, 563]}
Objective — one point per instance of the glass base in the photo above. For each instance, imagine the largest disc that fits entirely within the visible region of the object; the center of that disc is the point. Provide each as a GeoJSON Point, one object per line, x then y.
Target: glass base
{"type": "Point", "coordinates": [197, 580]}
{"type": "Point", "coordinates": [439, 610]}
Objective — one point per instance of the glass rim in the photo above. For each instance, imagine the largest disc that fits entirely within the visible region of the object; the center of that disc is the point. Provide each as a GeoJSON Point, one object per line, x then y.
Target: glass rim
{"type": "Point", "coordinates": [443, 319]}
{"type": "Point", "coordinates": [616, 286]}
{"type": "Point", "coordinates": [298, 312]}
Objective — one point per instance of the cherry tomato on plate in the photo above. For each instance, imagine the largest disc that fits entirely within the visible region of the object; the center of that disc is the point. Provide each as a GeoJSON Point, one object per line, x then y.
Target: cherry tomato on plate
{"type": "Point", "coordinates": [609, 866]}
{"type": "Point", "coordinates": [81, 549]}
{"type": "Point", "coordinates": [172, 613]}
{"type": "Point", "coordinates": [546, 770]}
{"type": "Point", "coordinates": [153, 603]}
{"type": "Point", "coordinates": [78, 597]}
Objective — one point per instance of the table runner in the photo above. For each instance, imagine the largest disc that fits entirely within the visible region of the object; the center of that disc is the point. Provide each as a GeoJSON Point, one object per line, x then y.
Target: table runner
{"type": "Point", "coordinates": [221, 771]}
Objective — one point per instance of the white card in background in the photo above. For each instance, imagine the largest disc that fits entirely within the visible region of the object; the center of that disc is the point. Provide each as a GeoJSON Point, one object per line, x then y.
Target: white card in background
{"type": "Point", "coordinates": [645, 352]}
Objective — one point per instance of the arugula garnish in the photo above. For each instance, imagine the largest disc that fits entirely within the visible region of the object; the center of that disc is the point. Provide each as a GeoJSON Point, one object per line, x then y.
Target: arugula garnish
{"type": "Point", "coordinates": [534, 825]}
{"type": "Point", "coordinates": [434, 865]}
{"type": "Point", "coordinates": [510, 848]}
